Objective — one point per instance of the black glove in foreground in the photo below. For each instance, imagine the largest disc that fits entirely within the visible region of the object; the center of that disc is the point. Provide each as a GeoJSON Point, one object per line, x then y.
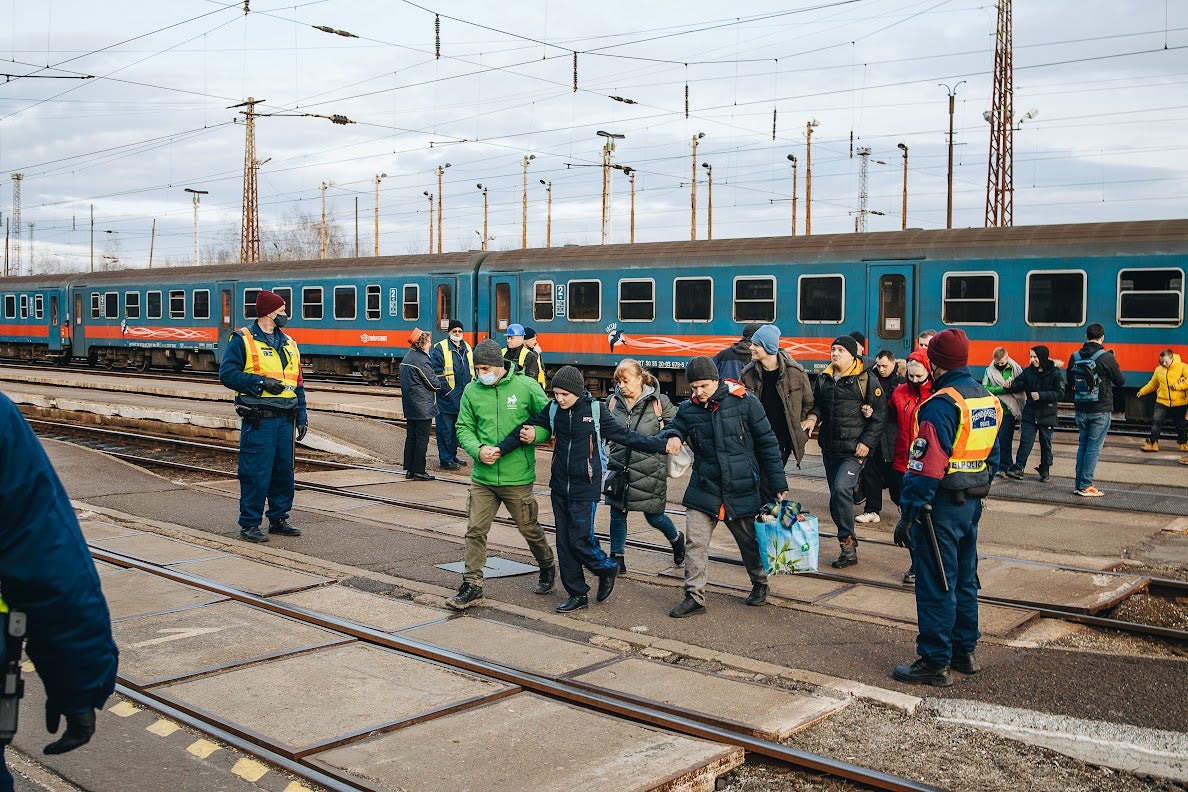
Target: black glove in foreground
{"type": "Point", "coordinates": [80, 727]}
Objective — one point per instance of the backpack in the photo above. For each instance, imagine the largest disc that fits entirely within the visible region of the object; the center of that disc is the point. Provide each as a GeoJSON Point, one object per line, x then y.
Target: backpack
{"type": "Point", "coordinates": [1086, 379]}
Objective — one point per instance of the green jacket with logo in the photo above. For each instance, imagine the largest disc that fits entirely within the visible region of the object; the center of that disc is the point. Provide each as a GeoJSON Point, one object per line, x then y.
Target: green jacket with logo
{"type": "Point", "coordinates": [485, 417]}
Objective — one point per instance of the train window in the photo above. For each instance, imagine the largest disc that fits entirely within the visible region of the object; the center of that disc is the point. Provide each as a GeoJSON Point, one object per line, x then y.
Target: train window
{"type": "Point", "coordinates": [10, 306]}
{"type": "Point", "coordinates": [111, 305]}
{"type": "Point", "coordinates": [693, 299]}
{"type": "Point", "coordinates": [754, 299]}
{"type": "Point", "coordinates": [249, 303]}
{"type": "Point", "coordinates": [311, 302]}
{"type": "Point", "coordinates": [637, 300]}
{"type": "Point", "coordinates": [822, 299]}
{"type": "Point", "coordinates": [286, 294]}
{"type": "Point", "coordinates": [585, 301]}
{"type": "Point", "coordinates": [542, 302]}
{"type": "Point", "coordinates": [892, 306]}
{"type": "Point", "coordinates": [970, 298]}
{"type": "Point", "coordinates": [177, 304]}
{"type": "Point", "coordinates": [411, 303]}
{"type": "Point", "coordinates": [132, 305]}
{"type": "Point", "coordinates": [445, 305]}
{"type": "Point", "coordinates": [502, 305]}
{"type": "Point", "coordinates": [39, 306]}
{"type": "Point", "coordinates": [1056, 298]}
{"type": "Point", "coordinates": [1151, 297]}
{"type": "Point", "coordinates": [201, 303]}
{"type": "Point", "coordinates": [153, 304]}
{"type": "Point", "coordinates": [24, 306]}
{"type": "Point", "coordinates": [96, 306]}
{"type": "Point", "coordinates": [345, 300]}
{"type": "Point", "coordinates": [373, 296]}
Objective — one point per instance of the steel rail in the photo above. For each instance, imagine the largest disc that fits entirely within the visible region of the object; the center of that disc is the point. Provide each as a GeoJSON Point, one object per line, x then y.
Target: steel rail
{"type": "Point", "coordinates": [607, 701]}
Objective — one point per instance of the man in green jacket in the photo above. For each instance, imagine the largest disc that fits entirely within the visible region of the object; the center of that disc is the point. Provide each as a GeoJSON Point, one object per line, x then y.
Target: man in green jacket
{"type": "Point", "coordinates": [495, 403]}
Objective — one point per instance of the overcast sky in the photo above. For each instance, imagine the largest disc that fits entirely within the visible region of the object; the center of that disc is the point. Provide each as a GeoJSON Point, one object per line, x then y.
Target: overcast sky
{"type": "Point", "coordinates": [1108, 141]}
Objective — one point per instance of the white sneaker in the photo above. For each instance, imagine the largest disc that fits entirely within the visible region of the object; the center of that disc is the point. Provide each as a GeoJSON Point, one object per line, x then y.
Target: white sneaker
{"type": "Point", "coordinates": [867, 517]}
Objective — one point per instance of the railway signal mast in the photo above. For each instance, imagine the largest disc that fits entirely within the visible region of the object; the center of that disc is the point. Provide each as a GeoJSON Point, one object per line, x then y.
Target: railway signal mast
{"type": "Point", "coordinates": [1000, 188]}
{"type": "Point", "coordinates": [249, 238]}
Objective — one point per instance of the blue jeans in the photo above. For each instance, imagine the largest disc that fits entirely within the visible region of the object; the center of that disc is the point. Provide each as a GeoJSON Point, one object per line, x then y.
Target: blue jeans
{"type": "Point", "coordinates": [618, 528]}
{"type": "Point", "coordinates": [447, 438]}
{"type": "Point", "coordinates": [1162, 413]}
{"type": "Point", "coordinates": [265, 470]}
{"type": "Point", "coordinates": [1006, 436]}
{"type": "Point", "coordinates": [843, 474]}
{"type": "Point", "coordinates": [948, 620]}
{"type": "Point", "coordinates": [1027, 432]}
{"type": "Point", "coordinates": [1091, 435]}
{"type": "Point", "coordinates": [577, 546]}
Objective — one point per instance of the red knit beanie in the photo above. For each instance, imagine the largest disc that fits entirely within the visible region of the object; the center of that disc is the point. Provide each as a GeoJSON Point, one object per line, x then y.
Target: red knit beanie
{"type": "Point", "coordinates": [267, 302]}
{"type": "Point", "coordinates": [949, 349]}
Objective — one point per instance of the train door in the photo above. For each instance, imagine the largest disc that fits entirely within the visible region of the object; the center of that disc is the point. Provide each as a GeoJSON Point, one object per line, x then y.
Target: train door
{"type": "Point", "coordinates": [76, 329]}
{"type": "Point", "coordinates": [890, 309]}
{"type": "Point", "coordinates": [504, 289]}
{"type": "Point", "coordinates": [55, 325]}
{"type": "Point", "coordinates": [445, 301]}
{"type": "Point", "coordinates": [226, 315]}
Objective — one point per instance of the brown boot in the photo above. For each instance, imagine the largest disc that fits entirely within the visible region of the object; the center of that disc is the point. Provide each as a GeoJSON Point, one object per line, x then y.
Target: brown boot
{"type": "Point", "coordinates": [1150, 446]}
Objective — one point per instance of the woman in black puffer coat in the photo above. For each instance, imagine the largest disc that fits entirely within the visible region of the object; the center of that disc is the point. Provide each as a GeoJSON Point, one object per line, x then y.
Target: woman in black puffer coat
{"type": "Point", "coordinates": [638, 403]}
{"type": "Point", "coordinates": [1042, 385]}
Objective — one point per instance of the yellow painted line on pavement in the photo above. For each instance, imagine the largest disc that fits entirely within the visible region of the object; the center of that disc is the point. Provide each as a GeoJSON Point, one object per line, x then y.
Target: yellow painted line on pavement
{"type": "Point", "coordinates": [296, 787]}
{"type": "Point", "coordinates": [123, 709]}
{"type": "Point", "coordinates": [202, 748]}
{"type": "Point", "coordinates": [163, 728]}
{"type": "Point", "coordinates": [249, 769]}
{"type": "Point", "coordinates": [27, 666]}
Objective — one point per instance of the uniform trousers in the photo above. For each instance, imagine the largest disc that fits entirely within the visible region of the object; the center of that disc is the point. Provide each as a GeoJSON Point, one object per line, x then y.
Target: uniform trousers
{"type": "Point", "coordinates": [699, 529]}
{"type": "Point", "coordinates": [577, 546]}
{"type": "Point", "coordinates": [481, 505]}
{"type": "Point", "coordinates": [447, 438]}
{"type": "Point", "coordinates": [265, 469]}
{"type": "Point", "coordinates": [948, 620]}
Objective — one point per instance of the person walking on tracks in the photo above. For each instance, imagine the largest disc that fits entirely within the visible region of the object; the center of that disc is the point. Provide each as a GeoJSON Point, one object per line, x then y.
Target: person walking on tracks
{"type": "Point", "coordinates": [419, 386]}
{"type": "Point", "coordinates": [1169, 383]}
{"type": "Point", "coordinates": [782, 387]}
{"type": "Point", "coordinates": [951, 464]}
{"type": "Point", "coordinates": [497, 402]}
{"type": "Point", "coordinates": [1093, 373]}
{"type": "Point", "coordinates": [52, 598]}
{"type": "Point", "coordinates": [453, 362]}
{"type": "Point", "coordinates": [263, 366]}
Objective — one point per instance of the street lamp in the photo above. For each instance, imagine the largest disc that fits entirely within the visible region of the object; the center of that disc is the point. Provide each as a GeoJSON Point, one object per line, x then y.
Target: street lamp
{"type": "Point", "coordinates": [484, 189]}
{"type": "Point", "coordinates": [608, 151]}
{"type": "Point", "coordinates": [549, 212]}
{"type": "Point", "coordinates": [903, 147]}
{"type": "Point", "coordinates": [429, 195]}
{"type": "Point", "coordinates": [630, 171]}
{"type": "Point", "coordinates": [197, 200]}
{"type": "Point", "coordinates": [378, 176]}
{"type": "Point", "coordinates": [808, 175]}
{"type": "Point", "coordinates": [693, 190]}
{"type": "Point", "coordinates": [792, 159]}
{"type": "Point", "coordinates": [524, 213]}
{"type": "Point", "coordinates": [709, 213]}
{"type": "Point", "coordinates": [440, 171]}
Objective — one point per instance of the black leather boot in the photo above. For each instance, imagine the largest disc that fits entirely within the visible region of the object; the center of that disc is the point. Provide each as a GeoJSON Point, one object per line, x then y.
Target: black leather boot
{"type": "Point", "coordinates": [922, 672]}
{"type": "Point", "coordinates": [678, 550]}
{"type": "Point", "coordinates": [621, 560]}
{"type": "Point", "coordinates": [548, 577]}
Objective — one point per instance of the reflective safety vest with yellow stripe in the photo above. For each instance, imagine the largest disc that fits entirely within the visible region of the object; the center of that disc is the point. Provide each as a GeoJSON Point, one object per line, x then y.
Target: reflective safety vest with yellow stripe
{"type": "Point", "coordinates": [524, 352]}
{"type": "Point", "coordinates": [981, 417]}
{"type": "Point", "coordinates": [264, 361]}
{"type": "Point", "coordinates": [447, 354]}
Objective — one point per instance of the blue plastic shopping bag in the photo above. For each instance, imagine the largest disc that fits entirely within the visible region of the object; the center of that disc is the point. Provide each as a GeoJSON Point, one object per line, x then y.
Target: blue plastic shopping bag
{"type": "Point", "coordinates": [788, 540]}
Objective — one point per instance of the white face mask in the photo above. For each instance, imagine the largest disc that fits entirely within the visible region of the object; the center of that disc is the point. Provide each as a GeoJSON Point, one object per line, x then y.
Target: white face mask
{"type": "Point", "coordinates": [488, 379]}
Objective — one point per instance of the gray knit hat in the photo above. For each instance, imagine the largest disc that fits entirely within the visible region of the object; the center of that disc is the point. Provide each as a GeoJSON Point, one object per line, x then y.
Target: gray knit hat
{"type": "Point", "coordinates": [569, 379]}
{"type": "Point", "coordinates": [701, 368]}
{"type": "Point", "coordinates": [488, 353]}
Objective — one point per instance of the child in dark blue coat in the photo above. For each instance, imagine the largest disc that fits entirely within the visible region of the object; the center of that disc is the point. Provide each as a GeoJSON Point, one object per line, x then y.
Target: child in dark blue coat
{"type": "Point", "coordinates": [576, 480]}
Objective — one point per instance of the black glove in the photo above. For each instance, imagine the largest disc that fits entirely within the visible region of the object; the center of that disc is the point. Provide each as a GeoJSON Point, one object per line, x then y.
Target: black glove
{"type": "Point", "coordinates": [80, 727]}
{"type": "Point", "coordinates": [903, 537]}
{"type": "Point", "coordinates": [273, 385]}
{"type": "Point", "coordinates": [301, 430]}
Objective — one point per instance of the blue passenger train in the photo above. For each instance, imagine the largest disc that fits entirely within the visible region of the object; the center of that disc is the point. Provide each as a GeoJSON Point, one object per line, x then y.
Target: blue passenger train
{"type": "Point", "coordinates": [658, 302]}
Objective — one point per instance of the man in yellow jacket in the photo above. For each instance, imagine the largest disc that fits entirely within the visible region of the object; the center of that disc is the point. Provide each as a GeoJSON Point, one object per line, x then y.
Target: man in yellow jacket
{"type": "Point", "coordinates": [1169, 383]}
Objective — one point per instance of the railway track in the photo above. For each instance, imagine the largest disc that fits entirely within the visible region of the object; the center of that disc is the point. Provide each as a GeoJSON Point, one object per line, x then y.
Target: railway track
{"type": "Point", "coordinates": [123, 445]}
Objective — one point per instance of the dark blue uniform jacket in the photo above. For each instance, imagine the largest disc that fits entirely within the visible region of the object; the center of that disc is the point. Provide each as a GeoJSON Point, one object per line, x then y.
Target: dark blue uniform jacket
{"type": "Point", "coordinates": [232, 375]}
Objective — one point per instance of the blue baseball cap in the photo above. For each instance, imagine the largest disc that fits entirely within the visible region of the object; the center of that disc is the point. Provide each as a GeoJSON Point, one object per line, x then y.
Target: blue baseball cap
{"type": "Point", "coordinates": [515, 330]}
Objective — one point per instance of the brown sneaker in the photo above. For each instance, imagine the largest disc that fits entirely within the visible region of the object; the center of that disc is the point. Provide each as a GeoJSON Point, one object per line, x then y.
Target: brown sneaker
{"type": "Point", "coordinates": [1150, 446]}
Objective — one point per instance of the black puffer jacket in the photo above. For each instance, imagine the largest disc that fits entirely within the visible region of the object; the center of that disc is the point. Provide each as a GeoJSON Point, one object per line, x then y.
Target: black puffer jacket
{"type": "Point", "coordinates": [418, 386]}
{"type": "Point", "coordinates": [734, 452]}
{"type": "Point", "coordinates": [647, 474]}
{"type": "Point", "coordinates": [1048, 383]}
{"type": "Point", "coordinates": [838, 407]}
{"type": "Point", "coordinates": [890, 429]}
{"type": "Point", "coordinates": [796, 394]}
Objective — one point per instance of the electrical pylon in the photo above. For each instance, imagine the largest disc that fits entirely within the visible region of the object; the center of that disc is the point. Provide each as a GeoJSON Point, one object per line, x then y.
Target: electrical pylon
{"type": "Point", "coordinates": [16, 222]}
{"type": "Point", "coordinates": [863, 190]}
{"type": "Point", "coordinates": [249, 250]}
{"type": "Point", "coordinates": [1000, 184]}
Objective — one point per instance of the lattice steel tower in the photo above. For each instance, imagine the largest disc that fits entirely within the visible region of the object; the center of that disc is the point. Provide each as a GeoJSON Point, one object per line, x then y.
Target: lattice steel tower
{"type": "Point", "coordinates": [249, 250]}
{"type": "Point", "coordinates": [16, 222]}
{"type": "Point", "coordinates": [1000, 185]}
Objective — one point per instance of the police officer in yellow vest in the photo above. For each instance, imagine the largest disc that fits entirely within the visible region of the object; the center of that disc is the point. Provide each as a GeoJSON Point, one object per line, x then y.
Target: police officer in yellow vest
{"type": "Point", "coordinates": [453, 363]}
{"type": "Point", "coordinates": [524, 360]}
{"type": "Point", "coordinates": [950, 466]}
{"type": "Point", "coordinates": [263, 366]}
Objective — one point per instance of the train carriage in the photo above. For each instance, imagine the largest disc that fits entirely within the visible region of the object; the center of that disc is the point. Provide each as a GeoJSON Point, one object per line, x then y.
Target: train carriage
{"type": "Point", "coordinates": [34, 318]}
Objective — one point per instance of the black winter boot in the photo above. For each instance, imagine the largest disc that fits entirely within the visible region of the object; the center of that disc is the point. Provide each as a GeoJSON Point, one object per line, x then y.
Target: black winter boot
{"type": "Point", "coordinates": [678, 550]}
{"type": "Point", "coordinates": [848, 556]}
{"type": "Point", "coordinates": [548, 577]}
{"type": "Point", "coordinates": [621, 560]}
{"type": "Point", "coordinates": [922, 672]}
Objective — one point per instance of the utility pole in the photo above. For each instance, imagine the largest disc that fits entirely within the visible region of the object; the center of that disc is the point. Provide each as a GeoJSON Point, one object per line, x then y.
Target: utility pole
{"type": "Point", "coordinates": [430, 196]}
{"type": "Point", "coordinates": [16, 222]}
{"type": "Point", "coordinates": [548, 213]}
{"type": "Point", "coordinates": [709, 209]}
{"type": "Point", "coordinates": [903, 147]}
{"type": "Point", "coordinates": [152, 242]}
{"type": "Point", "coordinates": [792, 159]}
{"type": "Point", "coordinates": [693, 189]}
{"type": "Point", "coordinates": [197, 195]}
{"type": "Point", "coordinates": [440, 172]}
{"type": "Point", "coordinates": [808, 175]}
{"type": "Point", "coordinates": [92, 238]}
{"type": "Point", "coordinates": [356, 226]}
{"type": "Point", "coordinates": [952, 101]}
{"type": "Point", "coordinates": [378, 176]}
{"type": "Point", "coordinates": [863, 184]}
{"type": "Point", "coordinates": [608, 155]}
{"type": "Point", "coordinates": [322, 255]}
{"type": "Point", "coordinates": [1000, 188]}
{"type": "Point", "coordinates": [524, 211]}
{"type": "Point", "coordinates": [631, 177]}
{"type": "Point", "coordinates": [484, 189]}
{"type": "Point", "coordinates": [249, 250]}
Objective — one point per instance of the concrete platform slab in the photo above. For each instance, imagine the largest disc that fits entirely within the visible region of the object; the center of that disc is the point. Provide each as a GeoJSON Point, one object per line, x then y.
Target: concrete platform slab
{"type": "Point", "coordinates": [156, 549]}
{"type": "Point", "coordinates": [511, 646]}
{"type": "Point", "coordinates": [758, 710]}
{"type": "Point", "coordinates": [521, 731]}
{"type": "Point", "coordinates": [94, 530]}
{"type": "Point", "coordinates": [1083, 592]}
{"type": "Point", "coordinates": [382, 613]}
{"type": "Point", "coordinates": [354, 690]}
{"type": "Point", "coordinates": [132, 593]}
{"type": "Point", "coordinates": [352, 478]}
{"type": "Point", "coordinates": [169, 646]}
{"type": "Point", "coordinates": [88, 474]}
{"type": "Point", "coordinates": [252, 576]}
{"type": "Point", "coordinates": [901, 606]}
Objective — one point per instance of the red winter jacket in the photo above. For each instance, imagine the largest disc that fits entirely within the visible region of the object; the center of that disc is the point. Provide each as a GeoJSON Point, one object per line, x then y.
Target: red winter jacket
{"type": "Point", "coordinates": [901, 411]}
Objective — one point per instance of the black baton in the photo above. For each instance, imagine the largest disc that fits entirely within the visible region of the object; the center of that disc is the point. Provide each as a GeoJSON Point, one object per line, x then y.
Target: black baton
{"type": "Point", "coordinates": [12, 687]}
{"type": "Point", "coordinates": [926, 522]}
